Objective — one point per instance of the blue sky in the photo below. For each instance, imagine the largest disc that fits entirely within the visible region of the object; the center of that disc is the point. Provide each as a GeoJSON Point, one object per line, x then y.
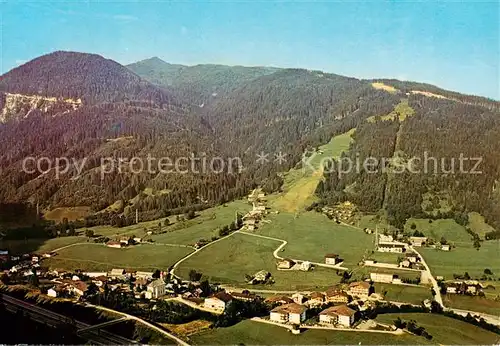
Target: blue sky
{"type": "Point", "coordinates": [453, 45]}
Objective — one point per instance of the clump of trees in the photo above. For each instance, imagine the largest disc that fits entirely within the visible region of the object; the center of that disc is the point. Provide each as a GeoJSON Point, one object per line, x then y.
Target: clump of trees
{"type": "Point", "coordinates": [412, 327]}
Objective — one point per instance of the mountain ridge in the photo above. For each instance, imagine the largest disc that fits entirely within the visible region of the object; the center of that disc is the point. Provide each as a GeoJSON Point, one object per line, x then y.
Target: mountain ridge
{"type": "Point", "coordinates": [172, 110]}
{"type": "Point", "coordinates": [90, 77]}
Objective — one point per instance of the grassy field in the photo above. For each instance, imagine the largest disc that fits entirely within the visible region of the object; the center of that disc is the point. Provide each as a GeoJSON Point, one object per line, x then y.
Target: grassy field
{"type": "Point", "coordinates": [186, 329]}
{"type": "Point", "coordinates": [300, 184]}
{"type": "Point", "coordinates": [492, 289]}
{"type": "Point", "coordinates": [445, 330]}
{"type": "Point", "coordinates": [401, 293]}
{"type": "Point", "coordinates": [447, 228]}
{"type": "Point", "coordinates": [385, 87]}
{"type": "Point", "coordinates": [386, 257]}
{"type": "Point", "coordinates": [479, 304]}
{"type": "Point", "coordinates": [94, 256]}
{"type": "Point", "coordinates": [255, 333]}
{"type": "Point", "coordinates": [401, 112]}
{"type": "Point", "coordinates": [477, 224]}
{"type": "Point", "coordinates": [204, 226]}
{"type": "Point", "coordinates": [230, 259]}
{"type": "Point", "coordinates": [39, 245]}
{"type": "Point", "coordinates": [464, 258]}
{"type": "Point", "coordinates": [311, 236]}
{"type": "Point", "coordinates": [71, 213]}
{"type": "Point", "coordinates": [373, 221]}
{"type": "Point", "coordinates": [187, 232]}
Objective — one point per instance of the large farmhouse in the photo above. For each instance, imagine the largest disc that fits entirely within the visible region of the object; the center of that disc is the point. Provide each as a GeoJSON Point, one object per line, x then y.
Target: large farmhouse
{"type": "Point", "coordinates": [341, 315]}
{"type": "Point", "coordinates": [360, 289]}
{"type": "Point", "coordinates": [219, 301]}
{"type": "Point", "coordinates": [289, 313]}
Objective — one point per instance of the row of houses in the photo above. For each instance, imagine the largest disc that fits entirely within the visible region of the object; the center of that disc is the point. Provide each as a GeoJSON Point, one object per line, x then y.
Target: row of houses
{"type": "Point", "coordinates": [334, 294]}
{"type": "Point", "coordinates": [345, 299]}
{"type": "Point", "coordinates": [254, 216]}
{"type": "Point", "coordinates": [387, 243]}
{"type": "Point", "coordinates": [124, 242]}
{"type": "Point", "coordinates": [469, 287]}
{"type": "Point", "coordinates": [289, 264]}
{"type": "Point", "coordinates": [144, 284]}
{"type": "Point", "coordinates": [391, 246]}
{"type": "Point", "coordinates": [293, 313]}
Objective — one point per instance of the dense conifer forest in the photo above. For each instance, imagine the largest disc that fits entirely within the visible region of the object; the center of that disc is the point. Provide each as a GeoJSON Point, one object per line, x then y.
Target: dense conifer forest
{"type": "Point", "coordinates": [160, 110]}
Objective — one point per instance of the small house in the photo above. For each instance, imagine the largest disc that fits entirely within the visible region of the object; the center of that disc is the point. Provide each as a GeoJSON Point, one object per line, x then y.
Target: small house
{"type": "Point", "coordinates": [95, 274]}
{"type": "Point", "coordinates": [286, 264]}
{"type": "Point", "coordinates": [332, 259]}
{"type": "Point", "coordinates": [418, 241]}
{"type": "Point", "coordinates": [394, 247]}
{"type": "Point", "coordinates": [125, 240]}
{"type": "Point", "coordinates": [144, 275]}
{"type": "Point", "coordinates": [298, 298]}
{"type": "Point", "coordinates": [305, 266]}
{"type": "Point", "coordinates": [381, 277]}
{"type": "Point", "coordinates": [405, 263]}
{"type": "Point", "coordinates": [117, 273]}
{"type": "Point", "coordinates": [244, 296]}
{"type": "Point", "coordinates": [114, 244]}
{"type": "Point", "coordinates": [55, 291]}
{"type": "Point", "coordinates": [78, 287]}
{"type": "Point", "coordinates": [452, 288]}
{"type": "Point", "coordinates": [219, 301]}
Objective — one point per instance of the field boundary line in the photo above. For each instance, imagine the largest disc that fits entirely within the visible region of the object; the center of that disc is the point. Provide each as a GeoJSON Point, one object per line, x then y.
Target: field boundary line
{"type": "Point", "coordinates": [146, 323]}
{"type": "Point", "coordinates": [176, 264]}
{"type": "Point", "coordinates": [284, 243]}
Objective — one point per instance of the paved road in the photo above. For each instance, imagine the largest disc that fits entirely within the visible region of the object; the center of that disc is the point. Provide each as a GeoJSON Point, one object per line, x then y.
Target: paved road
{"type": "Point", "coordinates": [176, 264]}
{"type": "Point", "coordinates": [488, 318]}
{"type": "Point", "coordinates": [283, 244]}
{"type": "Point", "coordinates": [438, 298]}
{"type": "Point", "coordinates": [146, 323]}
{"type": "Point", "coordinates": [168, 244]}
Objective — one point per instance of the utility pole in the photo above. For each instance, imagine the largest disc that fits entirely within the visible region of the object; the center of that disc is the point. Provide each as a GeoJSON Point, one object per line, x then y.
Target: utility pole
{"type": "Point", "coordinates": [136, 216]}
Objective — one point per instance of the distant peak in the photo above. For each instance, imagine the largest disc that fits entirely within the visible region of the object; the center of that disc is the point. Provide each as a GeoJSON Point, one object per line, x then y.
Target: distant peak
{"type": "Point", "coordinates": [155, 60]}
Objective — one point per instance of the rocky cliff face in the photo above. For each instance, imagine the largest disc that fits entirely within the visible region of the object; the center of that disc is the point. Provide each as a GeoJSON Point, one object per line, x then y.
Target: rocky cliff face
{"type": "Point", "coordinates": [18, 106]}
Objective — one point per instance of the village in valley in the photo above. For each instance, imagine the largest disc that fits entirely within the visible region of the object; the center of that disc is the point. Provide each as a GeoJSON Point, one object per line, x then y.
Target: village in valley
{"type": "Point", "coordinates": [358, 290]}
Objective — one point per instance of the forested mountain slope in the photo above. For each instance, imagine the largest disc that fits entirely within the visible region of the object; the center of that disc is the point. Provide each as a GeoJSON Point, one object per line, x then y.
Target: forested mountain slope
{"type": "Point", "coordinates": [432, 140]}
{"type": "Point", "coordinates": [120, 116]}
{"type": "Point", "coordinates": [90, 77]}
{"type": "Point", "coordinates": [197, 85]}
{"type": "Point", "coordinates": [88, 108]}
